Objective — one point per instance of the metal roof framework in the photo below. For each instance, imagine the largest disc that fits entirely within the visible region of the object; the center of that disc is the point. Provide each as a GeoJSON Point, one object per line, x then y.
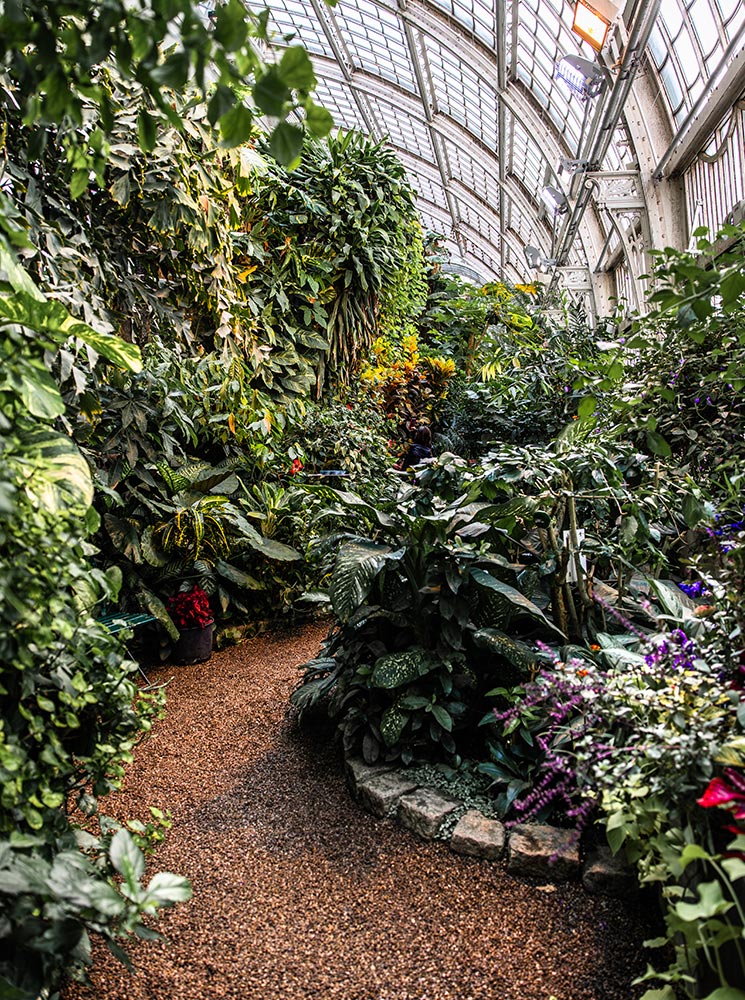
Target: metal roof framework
{"type": "Point", "coordinates": [465, 91]}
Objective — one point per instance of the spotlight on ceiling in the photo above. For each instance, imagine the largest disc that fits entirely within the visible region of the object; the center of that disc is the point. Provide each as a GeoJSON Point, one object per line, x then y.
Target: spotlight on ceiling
{"type": "Point", "coordinates": [590, 24]}
{"type": "Point", "coordinates": [537, 261]}
{"type": "Point", "coordinates": [554, 200]}
{"type": "Point", "coordinates": [582, 76]}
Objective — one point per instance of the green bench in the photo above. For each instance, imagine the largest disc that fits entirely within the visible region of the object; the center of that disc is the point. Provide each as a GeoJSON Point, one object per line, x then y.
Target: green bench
{"type": "Point", "coordinates": [118, 621]}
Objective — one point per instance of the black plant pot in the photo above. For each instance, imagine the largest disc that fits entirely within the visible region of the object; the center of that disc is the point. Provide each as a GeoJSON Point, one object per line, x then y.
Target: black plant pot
{"type": "Point", "coordinates": [194, 645]}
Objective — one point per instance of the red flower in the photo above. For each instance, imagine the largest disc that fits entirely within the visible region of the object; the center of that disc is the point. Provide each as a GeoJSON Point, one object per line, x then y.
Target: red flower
{"type": "Point", "coordinates": [295, 467]}
{"type": "Point", "coordinates": [190, 609]}
{"type": "Point", "coordinates": [729, 793]}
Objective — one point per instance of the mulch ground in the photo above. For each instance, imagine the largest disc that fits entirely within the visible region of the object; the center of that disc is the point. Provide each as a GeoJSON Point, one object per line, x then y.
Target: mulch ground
{"type": "Point", "coordinates": [300, 894]}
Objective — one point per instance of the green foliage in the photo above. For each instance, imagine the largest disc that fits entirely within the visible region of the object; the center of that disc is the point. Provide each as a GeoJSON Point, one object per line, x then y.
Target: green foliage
{"type": "Point", "coordinates": [59, 57]}
{"type": "Point", "coordinates": [628, 515]}
{"type": "Point", "coordinates": [330, 239]}
{"type": "Point", "coordinates": [71, 713]}
{"type": "Point", "coordinates": [53, 902]}
{"type": "Point", "coordinates": [674, 381]}
{"type": "Point", "coordinates": [351, 436]}
{"type": "Point", "coordinates": [405, 671]}
{"type": "Point", "coordinates": [164, 526]}
{"type": "Point", "coordinates": [405, 386]}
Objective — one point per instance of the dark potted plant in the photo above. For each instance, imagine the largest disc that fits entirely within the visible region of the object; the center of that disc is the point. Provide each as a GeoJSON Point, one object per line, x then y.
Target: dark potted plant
{"type": "Point", "coordinates": [191, 614]}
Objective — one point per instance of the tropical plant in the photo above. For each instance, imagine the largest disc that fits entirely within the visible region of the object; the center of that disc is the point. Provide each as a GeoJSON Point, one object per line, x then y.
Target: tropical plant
{"type": "Point", "coordinates": [329, 240]}
{"type": "Point", "coordinates": [57, 74]}
{"type": "Point", "coordinates": [165, 526]}
{"type": "Point", "coordinates": [579, 509]}
{"type": "Point", "coordinates": [404, 385]}
{"type": "Point", "coordinates": [633, 732]}
{"type": "Point", "coordinates": [71, 711]}
{"type": "Point", "coordinates": [417, 601]}
{"type": "Point", "coordinates": [349, 436]}
{"type": "Point", "coordinates": [673, 380]}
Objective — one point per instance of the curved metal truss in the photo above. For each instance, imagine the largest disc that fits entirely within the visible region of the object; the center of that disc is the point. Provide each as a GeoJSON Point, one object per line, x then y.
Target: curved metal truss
{"type": "Point", "coordinates": [466, 92]}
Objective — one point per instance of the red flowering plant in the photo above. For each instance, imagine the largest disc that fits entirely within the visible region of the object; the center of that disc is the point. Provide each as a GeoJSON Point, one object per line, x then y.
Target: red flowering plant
{"type": "Point", "coordinates": [727, 792]}
{"type": "Point", "coordinates": [190, 609]}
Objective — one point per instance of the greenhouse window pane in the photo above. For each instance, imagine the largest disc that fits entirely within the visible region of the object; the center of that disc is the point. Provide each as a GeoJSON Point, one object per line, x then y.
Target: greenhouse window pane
{"type": "Point", "coordinates": [405, 131]}
{"type": "Point", "coordinates": [672, 17]}
{"type": "Point", "coordinates": [291, 17]}
{"type": "Point", "coordinates": [704, 24]}
{"type": "Point", "coordinates": [672, 86]}
{"type": "Point", "coordinates": [657, 47]}
{"type": "Point", "coordinates": [688, 58]}
{"type": "Point", "coordinates": [380, 46]}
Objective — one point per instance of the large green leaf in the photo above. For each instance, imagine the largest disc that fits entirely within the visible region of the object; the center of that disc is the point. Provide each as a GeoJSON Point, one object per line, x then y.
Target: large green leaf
{"type": "Point", "coordinates": [52, 318]}
{"type": "Point", "coordinates": [237, 576]}
{"type": "Point", "coordinates": [126, 857]}
{"type": "Point", "coordinates": [672, 600]}
{"type": "Point", "coordinates": [157, 609]}
{"type": "Point", "coordinates": [38, 391]}
{"type": "Point", "coordinates": [58, 477]}
{"type": "Point", "coordinates": [519, 654]}
{"type": "Point", "coordinates": [274, 550]}
{"type": "Point", "coordinates": [357, 564]}
{"type": "Point", "coordinates": [396, 669]}
{"type": "Point", "coordinates": [392, 724]}
{"type": "Point", "coordinates": [518, 602]}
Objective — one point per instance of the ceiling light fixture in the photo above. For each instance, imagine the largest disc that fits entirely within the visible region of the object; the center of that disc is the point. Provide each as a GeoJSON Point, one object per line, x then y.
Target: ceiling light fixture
{"type": "Point", "coordinates": [590, 24]}
{"type": "Point", "coordinates": [537, 261]}
{"type": "Point", "coordinates": [554, 200]}
{"type": "Point", "coordinates": [583, 77]}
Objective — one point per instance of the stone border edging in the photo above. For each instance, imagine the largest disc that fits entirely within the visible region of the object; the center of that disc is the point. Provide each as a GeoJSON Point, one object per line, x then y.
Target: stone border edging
{"type": "Point", "coordinates": [533, 850]}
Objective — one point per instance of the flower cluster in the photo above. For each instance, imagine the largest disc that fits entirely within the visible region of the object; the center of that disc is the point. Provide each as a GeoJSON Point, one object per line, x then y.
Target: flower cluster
{"type": "Point", "coordinates": [726, 533]}
{"type": "Point", "coordinates": [190, 609]}
{"type": "Point", "coordinates": [675, 650]}
{"type": "Point", "coordinates": [657, 714]}
{"type": "Point", "coordinates": [696, 589]}
{"type": "Point", "coordinates": [727, 792]}
{"type": "Point", "coordinates": [296, 466]}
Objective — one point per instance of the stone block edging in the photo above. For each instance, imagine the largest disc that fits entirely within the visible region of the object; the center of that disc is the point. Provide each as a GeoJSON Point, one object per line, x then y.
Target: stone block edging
{"type": "Point", "coordinates": [533, 850]}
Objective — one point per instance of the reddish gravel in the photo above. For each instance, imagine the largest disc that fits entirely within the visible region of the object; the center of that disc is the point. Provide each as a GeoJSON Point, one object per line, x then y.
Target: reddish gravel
{"type": "Point", "coordinates": [300, 894]}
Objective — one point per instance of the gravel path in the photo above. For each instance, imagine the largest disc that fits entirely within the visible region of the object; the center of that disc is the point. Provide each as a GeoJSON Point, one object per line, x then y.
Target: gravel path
{"type": "Point", "coordinates": [300, 894]}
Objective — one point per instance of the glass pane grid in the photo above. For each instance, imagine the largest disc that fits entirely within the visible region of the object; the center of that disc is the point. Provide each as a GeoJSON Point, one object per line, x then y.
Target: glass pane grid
{"type": "Point", "coordinates": [484, 258]}
{"type": "Point", "coordinates": [462, 94]}
{"type": "Point", "coordinates": [405, 131]}
{"type": "Point", "coordinates": [436, 223]}
{"type": "Point", "coordinates": [427, 189]}
{"type": "Point", "coordinates": [294, 16]}
{"type": "Point", "coordinates": [528, 162]}
{"type": "Point", "coordinates": [480, 222]}
{"type": "Point", "coordinates": [473, 173]}
{"type": "Point", "coordinates": [520, 224]}
{"type": "Point", "coordinates": [687, 45]}
{"type": "Point", "coordinates": [376, 38]}
{"type": "Point", "coordinates": [473, 15]}
{"type": "Point", "coordinates": [336, 98]}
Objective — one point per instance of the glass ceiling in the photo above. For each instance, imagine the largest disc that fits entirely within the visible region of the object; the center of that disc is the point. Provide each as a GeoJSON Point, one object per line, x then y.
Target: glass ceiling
{"type": "Point", "coordinates": [425, 75]}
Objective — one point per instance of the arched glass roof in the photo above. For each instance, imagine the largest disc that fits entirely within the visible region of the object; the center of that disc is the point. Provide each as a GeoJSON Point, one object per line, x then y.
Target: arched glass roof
{"type": "Point", "coordinates": [466, 92]}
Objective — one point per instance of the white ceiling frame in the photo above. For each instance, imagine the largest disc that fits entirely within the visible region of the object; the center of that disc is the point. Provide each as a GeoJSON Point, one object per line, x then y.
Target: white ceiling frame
{"type": "Point", "coordinates": [495, 69]}
{"type": "Point", "coordinates": [361, 83]}
{"type": "Point", "coordinates": [417, 166]}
